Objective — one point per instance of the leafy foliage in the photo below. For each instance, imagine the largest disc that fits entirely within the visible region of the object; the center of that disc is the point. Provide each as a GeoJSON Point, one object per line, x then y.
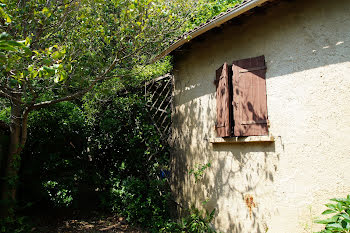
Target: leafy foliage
{"type": "Point", "coordinates": [196, 221]}
{"type": "Point", "coordinates": [128, 157]}
{"type": "Point", "coordinates": [53, 162]}
{"type": "Point", "coordinates": [14, 225]}
{"type": "Point", "coordinates": [198, 171]}
{"type": "Point", "coordinates": [207, 9]}
{"type": "Point", "coordinates": [68, 48]}
{"type": "Point", "coordinates": [107, 155]}
{"type": "Point", "coordinates": [141, 202]}
{"type": "Point", "coordinates": [70, 45]}
{"type": "Point", "coordinates": [101, 150]}
{"type": "Point", "coordinates": [340, 221]}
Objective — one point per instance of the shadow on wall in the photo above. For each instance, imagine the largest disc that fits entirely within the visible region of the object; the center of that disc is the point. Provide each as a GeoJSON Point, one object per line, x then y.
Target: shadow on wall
{"type": "Point", "coordinates": [242, 174]}
{"type": "Point", "coordinates": [303, 38]}
{"type": "Point", "coordinates": [238, 175]}
{"type": "Point", "coordinates": [240, 182]}
{"type": "Point", "coordinates": [276, 68]}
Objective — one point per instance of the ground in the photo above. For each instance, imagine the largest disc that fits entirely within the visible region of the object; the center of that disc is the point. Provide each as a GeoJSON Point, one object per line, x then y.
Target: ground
{"type": "Point", "coordinates": [81, 224]}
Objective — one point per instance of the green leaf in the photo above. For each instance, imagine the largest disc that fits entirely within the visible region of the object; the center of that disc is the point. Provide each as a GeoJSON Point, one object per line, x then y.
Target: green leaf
{"type": "Point", "coordinates": [331, 206]}
{"type": "Point", "coordinates": [30, 68]}
{"type": "Point", "coordinates": [335, 226]}
{"type": "Point", "coordinates": [345, 216]}
{"type": "Point", "coordinates": [27, 51]}
{"type": "Point", "coordinates": [27, 41]}
{"type": "Point", "coordinates": [13, 43]}
{"type": "Point", "coordinates": [328, 220]}
{"type": "Point", "coordinates": [323, 221]}
{"type": "Point", "coordinates": [8, 19]}
{"type": "Point", "coordinates": [4, 36]}
{"type": "Point", "coordinates": [4, 15]}
{"type": "Point", "coordinates": [7, 48]}
{"type": "Point", "coordinates": [56, 79]}
{"type": "Point", "coordinates": [339, 206]}
{"type": "Point", "coordinates": [34, 73]}
{"type": "Point", "coordinates": [344, 224]}
{"type": "Point", "coordinates": [328, 212]}
{"type": "Point", "coordinates": [56, 55]}
{"type": "Point", "coordinates": [45, 10]}
{"type": "Point", "coordinates": [211, 215]}
{"type": "Point", "coordinates": [49, 70]}
{"type": "Point", "coordinates": [63, 76]}
{"type": "Point", "coordinates": [338, 199]}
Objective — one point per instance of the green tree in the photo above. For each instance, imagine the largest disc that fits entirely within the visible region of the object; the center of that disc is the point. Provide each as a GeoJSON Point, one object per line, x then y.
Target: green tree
{"type": "Point", "coordinates": [55, 51]}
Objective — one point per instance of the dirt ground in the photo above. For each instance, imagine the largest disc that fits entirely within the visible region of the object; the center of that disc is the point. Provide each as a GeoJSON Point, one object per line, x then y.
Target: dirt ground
{"type": "Point", "coordinates": [107, 224]}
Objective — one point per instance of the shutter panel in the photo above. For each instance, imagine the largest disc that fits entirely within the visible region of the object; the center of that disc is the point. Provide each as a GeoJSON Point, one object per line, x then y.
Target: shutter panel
{"type": "Point", "coordinates": [223, 101]}
{"type": "Point", "coordinates": [249, 97]}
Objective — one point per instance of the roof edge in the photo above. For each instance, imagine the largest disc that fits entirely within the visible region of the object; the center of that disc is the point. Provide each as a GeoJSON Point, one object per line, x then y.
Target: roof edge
{"type": "Point", "coordinates": [206, 27]}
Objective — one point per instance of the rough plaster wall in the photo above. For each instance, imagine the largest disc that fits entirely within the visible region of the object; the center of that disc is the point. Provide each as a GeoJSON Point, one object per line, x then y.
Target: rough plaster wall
{"type": "Point", "coordinates": [307, 49]}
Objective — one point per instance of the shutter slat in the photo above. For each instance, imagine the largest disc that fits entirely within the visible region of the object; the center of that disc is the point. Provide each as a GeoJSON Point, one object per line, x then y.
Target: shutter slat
{"type": "Point", "coordinates": [249, 97]}
{"type": "Point", "coordinates": [223, 102]}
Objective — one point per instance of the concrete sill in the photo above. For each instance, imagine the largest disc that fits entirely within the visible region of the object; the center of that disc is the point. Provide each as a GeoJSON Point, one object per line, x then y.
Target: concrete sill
{"type": "Point", "coordinates": [268, 138]}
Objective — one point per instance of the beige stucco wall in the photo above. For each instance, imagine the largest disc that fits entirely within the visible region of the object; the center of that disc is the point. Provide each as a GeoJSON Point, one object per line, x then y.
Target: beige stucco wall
{"type": "Point", "coordinates": [307, 50]}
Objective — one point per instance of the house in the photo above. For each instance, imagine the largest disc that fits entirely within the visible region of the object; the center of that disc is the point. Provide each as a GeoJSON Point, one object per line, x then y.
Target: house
{"type": "Point", "coordinates": [275, 162]}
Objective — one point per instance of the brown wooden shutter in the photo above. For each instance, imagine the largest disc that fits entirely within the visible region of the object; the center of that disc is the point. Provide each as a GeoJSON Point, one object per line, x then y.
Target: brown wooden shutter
{"type": "Point", "coordinates": [223, 101]}
{"type": "Point", "coordinates": [249, 97]}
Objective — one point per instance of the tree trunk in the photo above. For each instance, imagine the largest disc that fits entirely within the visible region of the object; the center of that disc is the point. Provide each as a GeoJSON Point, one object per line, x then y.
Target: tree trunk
{"type": "Point", "coordinates": [12, 162]}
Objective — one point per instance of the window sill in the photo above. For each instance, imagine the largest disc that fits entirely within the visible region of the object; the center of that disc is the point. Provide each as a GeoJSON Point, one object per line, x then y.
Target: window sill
{"type": "Point", "coordinates": [230, 140]}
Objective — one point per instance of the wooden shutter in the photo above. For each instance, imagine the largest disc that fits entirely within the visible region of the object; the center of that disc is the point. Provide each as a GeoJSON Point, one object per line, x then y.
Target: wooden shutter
{"type": "Point", "coordinates": [223, 101]}
{"type": "Point", "coordinates": [249, 97]}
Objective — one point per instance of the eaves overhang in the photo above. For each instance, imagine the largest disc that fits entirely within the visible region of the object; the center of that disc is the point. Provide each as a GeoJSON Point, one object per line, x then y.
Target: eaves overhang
{"type": "Point", "coordinates": [217, 21]}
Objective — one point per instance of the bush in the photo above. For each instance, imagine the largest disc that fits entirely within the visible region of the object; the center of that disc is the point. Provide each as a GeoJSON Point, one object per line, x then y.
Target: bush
{"type": "Point", "coordinates": [340, 221]}
{"type": "Point", "coordinates": [14, 225]}
{"type": "Point", "coordinates": [54, 163]}
{"type": "Point", "coordinates": [106, 156]}
{"type": "Point", "coordinates": [195, 222]}
{"type": "Point", "coordinates": [141, 202]}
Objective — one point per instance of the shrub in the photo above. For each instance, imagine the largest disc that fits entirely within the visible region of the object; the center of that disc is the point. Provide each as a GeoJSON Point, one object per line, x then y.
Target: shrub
{"type": "Point", "coordinates": [141, 202]}
{"type": "Point", "coordinates": [54, 163]}
{"type": "Point", "coordinates": [340, 221]}
{"type": "Point", "coordinates": [14, 225]}
{"type": "Point", "coordinates": [195, 222]}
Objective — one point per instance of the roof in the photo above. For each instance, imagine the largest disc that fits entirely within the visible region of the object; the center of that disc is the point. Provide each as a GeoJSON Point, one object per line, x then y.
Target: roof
{"type": "Point", "coordinates": [218, 20]}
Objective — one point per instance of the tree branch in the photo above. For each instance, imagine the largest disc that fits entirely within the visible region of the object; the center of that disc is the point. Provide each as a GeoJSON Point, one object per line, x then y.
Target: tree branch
{"type": "Point", "coordinates": [66, 98]}
{"type": "Point", "coordinates": [7, 96]}
{"type": "Point", "coordinates": [69, 97]}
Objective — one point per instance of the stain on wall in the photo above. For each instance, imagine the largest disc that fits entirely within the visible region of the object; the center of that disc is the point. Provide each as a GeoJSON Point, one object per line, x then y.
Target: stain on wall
{"type": "Point", "coordinates": [249, 201]}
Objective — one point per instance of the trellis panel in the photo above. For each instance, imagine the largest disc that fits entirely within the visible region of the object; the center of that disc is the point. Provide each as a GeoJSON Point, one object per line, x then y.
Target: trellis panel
{"type": "Point", "coordinates": [158, 94]}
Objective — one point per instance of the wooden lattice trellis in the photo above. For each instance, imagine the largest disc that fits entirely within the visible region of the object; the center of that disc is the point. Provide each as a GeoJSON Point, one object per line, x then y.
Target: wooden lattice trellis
{"type": "Point", "coordinates": [158, 94]}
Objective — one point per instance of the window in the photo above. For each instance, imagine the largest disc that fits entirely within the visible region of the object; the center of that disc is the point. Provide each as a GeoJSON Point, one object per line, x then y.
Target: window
{"type": "Point", "coordinates": [241, 98]}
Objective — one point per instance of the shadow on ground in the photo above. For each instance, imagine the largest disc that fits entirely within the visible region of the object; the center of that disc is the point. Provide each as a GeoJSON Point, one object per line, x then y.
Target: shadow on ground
{"type": "Point", "coordinates": [83, 224]}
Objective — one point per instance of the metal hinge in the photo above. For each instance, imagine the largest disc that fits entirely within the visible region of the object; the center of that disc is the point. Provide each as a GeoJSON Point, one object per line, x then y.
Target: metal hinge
{"type": "Point", "coordinates": [221, 126]}
{"type": "Point", "coordinates": [252, 69]}
{"type": "Point", "coordinates": [253, 122]}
